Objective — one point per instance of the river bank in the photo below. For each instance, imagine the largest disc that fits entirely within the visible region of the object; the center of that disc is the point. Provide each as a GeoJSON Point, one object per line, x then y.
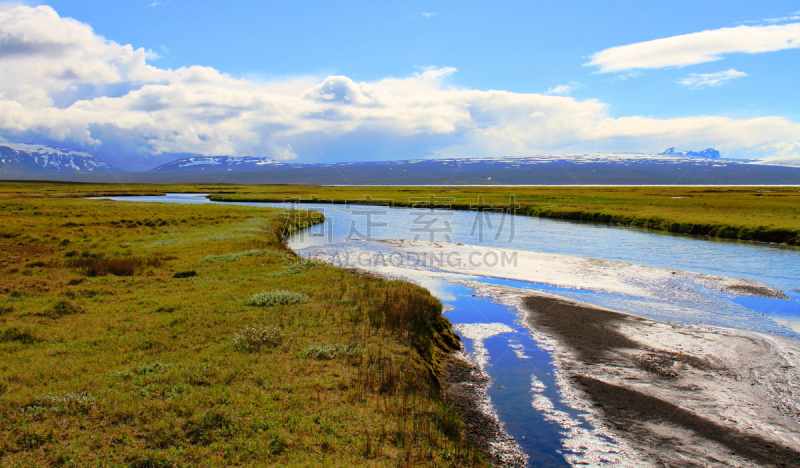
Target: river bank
{"type": "Point", "coordinates": [158, 334]}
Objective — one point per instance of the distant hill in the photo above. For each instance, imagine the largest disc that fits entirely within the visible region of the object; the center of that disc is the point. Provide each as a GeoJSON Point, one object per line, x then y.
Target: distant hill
{"type": "Point", "coordinates": [709, 153]}
{"type": "Point", "coordinates": [576, 169]}
{"type": "Point", "coordinates": [17, 158]}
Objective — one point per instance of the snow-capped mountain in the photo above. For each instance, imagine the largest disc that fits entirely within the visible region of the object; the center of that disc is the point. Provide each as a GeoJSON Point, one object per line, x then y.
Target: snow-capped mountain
{"type": "Point", "coordinates": [708, 153]}
{"type": "Point", "coordinates": [219, 164]}
{"type": "Point", "coordinates": [564, 169]}
{"type": "Point", "coordinates": [21, 158]}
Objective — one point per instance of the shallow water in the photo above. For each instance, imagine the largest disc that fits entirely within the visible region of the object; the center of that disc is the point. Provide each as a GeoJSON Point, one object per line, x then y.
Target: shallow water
{"type": "Point", "coordinates": [524, 392]}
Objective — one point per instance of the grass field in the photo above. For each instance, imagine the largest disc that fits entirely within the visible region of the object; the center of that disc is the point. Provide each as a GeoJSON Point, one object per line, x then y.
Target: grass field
{"type": "Point", "coordinates": [155, 335]}
{"type": "Point", "coordinates": [766, 214]}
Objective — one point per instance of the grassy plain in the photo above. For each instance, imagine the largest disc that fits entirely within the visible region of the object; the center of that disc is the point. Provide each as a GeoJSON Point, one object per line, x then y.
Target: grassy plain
{"type": "Point", "coordinates": [766, 214]}
{"type": "Point", "coordinates": [153, 335]}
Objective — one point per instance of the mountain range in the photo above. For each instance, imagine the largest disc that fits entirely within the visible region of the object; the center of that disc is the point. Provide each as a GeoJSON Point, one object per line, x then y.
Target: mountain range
{"type": "Point", "coordinates": [671, 167]}
{"type": "Point", "coordinates": [17, 158]}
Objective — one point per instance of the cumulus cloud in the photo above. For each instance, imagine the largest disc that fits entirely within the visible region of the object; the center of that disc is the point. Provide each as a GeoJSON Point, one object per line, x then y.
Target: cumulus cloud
{"type": "Point", "coordinates": [61, 82]}
{"type": "Point", "coordinates": [700, 47]}
{"type": "Point", "coordinates": [699, 80]}
{"type": "Point", "coordinates": [564, 89]}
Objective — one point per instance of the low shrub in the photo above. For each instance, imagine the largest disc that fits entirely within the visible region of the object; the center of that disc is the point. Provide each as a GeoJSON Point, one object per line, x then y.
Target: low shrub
{"type": "Point", "coordinates": [326, 352]}
{"type": "Point", "coordinates": [277, 297]}
{"type": "Point", "coordinates": [70, 403]}
{"type": "Point", "coordinates": [208, 427]}
{"type": "Point", "coordinates": [254, 339]}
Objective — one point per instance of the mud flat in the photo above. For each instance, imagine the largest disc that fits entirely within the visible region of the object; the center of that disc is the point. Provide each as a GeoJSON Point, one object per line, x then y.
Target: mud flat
{"type": "Point", "coordinates": [567, 271]}
{"type": "Point", "coordinates": [679, 396]}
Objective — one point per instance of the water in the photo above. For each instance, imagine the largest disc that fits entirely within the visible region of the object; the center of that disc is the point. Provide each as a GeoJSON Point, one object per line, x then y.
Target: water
{"type": "Point", "coordinates": [524, 392]}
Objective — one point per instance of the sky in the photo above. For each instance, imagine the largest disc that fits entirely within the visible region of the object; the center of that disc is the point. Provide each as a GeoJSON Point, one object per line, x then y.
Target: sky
{"type": "Point", "coordinates": [140, 83]}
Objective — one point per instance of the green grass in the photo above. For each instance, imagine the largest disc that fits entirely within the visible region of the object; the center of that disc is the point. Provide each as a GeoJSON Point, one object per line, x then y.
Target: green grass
{"type": "Point", "coordinates": [107, 359]}
{"type": "Point", "coordinates": [767, 214]}
{"type": "Point", "coordinates": [232, 257]}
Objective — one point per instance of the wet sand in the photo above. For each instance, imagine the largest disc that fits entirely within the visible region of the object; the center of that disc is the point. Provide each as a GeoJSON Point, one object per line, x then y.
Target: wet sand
{"type": "Point", "coordinates": [680, 396]}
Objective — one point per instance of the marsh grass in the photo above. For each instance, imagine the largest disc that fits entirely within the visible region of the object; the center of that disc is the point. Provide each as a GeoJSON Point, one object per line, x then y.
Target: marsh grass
{"type": "Point", "coordinates": [16, 335]}
{"type": "Point", "coordinates": [232, 257]}
{"type": "Point", "coordinates": [61, 309]}
{"type": "Point", "coordinates": [113, 266]}
{"type": "Point", "coordinates": [156, 355]}
{"type": "Point", "coordinates": [326, 352]}
{"type": "Point", "coordinates": [276, 298]}
{"type": "Point", "coordinates": [298, 266]}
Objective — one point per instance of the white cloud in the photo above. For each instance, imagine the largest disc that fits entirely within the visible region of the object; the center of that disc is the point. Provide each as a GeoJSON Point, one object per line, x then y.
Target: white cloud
{"type": "Point", "coordinates": [781, 19]}
{"type": "Point", "coordinates": [701, 47]}
{"type": "Point", "coordinates": [428, 14]}
{"type": "Point", "coordinates": [785, 154]}
{"type": "Point", "coordinates": [154, 4]}
{"type": "Point", "coordinates": [699, 80]}
{"type": "Point", "coordinates": [564, 89]}
{"type": "Point", "coordinates": [130, 108]}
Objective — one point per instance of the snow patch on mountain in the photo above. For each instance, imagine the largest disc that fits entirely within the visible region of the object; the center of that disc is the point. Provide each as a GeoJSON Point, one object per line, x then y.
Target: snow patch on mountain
{"type": "Point", "coordinates": [708, 153]}
{"type": "Point", "coordinates": [219, 162]}
{"type": "Point", "coordinates": [20, 157]}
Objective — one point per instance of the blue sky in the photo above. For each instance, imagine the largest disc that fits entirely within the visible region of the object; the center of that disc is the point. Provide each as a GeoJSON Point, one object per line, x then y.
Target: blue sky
{"type": "Point", "coordinates": [333, 81]}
